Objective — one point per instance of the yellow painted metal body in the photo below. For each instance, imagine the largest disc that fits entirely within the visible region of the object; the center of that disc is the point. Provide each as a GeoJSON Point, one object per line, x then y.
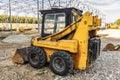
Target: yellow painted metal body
{"type": "Point", "coordinates": [76, 44]}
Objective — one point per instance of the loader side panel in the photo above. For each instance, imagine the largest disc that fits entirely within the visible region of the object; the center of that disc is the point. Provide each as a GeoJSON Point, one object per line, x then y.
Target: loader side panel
{"type": "Point", "coordinates": [82, 35]}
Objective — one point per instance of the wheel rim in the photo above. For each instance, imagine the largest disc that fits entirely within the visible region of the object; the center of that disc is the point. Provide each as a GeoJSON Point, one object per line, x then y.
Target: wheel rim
{"type": "Point", "coordinates": [59, 64]}
{"type": "Point", "coordinates": [34, 58]}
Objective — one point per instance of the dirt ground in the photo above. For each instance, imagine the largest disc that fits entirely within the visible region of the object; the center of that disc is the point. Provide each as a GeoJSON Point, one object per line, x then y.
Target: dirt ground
{"type": "Point", "coordinates": [106, 67]}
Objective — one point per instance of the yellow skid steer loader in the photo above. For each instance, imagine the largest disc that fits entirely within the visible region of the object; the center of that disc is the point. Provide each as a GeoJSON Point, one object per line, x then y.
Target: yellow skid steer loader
{"type": "Point", "coordinates": [68, 40]}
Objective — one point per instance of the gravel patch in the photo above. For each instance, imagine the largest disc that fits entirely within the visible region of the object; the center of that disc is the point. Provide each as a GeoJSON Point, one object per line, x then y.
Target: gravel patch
{"type": "Point", "coordinates": [106, 67]}
{"type": "Point", "coordinates": [16, 39]}
{"type": "Point", "coordinates": [8, 74]}
{"type": "Point", "coordinates": [4, 55]}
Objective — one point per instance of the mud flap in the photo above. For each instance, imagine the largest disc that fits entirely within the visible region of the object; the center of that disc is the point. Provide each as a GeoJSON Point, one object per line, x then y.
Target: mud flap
{"type": "Point", "coordinates": [21, 55]}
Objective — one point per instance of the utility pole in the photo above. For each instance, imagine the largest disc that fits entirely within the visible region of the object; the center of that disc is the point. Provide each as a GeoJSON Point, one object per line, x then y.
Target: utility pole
{"type": "Point", "coordinates": [59, 3]}
{"type": "Point", "coordinates": [42, 4]}
{"type": "Point", "coordinates": [38, 15]}
{"type": "Point", "coordinates": [10, 16]}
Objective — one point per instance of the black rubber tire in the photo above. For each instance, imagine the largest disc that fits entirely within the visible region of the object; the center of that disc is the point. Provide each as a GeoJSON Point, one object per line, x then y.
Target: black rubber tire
{"type": "Point", "coordinates": [68, 67]}
{"type": "Point", "coordinates": [39, 54]}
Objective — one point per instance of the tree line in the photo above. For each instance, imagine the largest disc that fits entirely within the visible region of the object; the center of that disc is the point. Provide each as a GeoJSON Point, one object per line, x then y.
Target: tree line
{"type": "Point", "coordinates": [118, 21]}
{"type": "Point", "coordinates": [17, 19]}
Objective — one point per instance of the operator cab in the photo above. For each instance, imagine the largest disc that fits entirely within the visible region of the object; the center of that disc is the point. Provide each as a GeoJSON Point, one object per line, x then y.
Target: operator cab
{"type": "Point", "coordinates": [56, 19]}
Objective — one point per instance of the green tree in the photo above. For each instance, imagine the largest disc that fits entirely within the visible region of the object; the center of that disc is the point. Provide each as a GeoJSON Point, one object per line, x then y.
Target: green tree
{"type": "Point", "coordinates": [21, 19]}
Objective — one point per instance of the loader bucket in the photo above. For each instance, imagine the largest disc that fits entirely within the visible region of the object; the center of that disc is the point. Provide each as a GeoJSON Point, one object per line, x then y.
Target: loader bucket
{"type": "Point", "coordinates": [21, 55]}
{"type": "Point", "coordinates": [109, 47]}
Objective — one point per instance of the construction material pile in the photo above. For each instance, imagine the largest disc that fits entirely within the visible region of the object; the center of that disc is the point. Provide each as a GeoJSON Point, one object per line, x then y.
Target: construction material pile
{"type": "Point", "coordinates": [111, 47]}
{"type": "Point", "coordinates": [21, 38]}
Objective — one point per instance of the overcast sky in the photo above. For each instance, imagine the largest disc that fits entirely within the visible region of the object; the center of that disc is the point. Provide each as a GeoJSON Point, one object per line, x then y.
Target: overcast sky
{"type": "Point", "coordinates": [111, 8]}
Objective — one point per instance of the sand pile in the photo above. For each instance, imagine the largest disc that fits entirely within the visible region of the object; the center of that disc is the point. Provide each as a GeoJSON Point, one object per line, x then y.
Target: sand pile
{"type": "Point", "coordinates": [21, 38]}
